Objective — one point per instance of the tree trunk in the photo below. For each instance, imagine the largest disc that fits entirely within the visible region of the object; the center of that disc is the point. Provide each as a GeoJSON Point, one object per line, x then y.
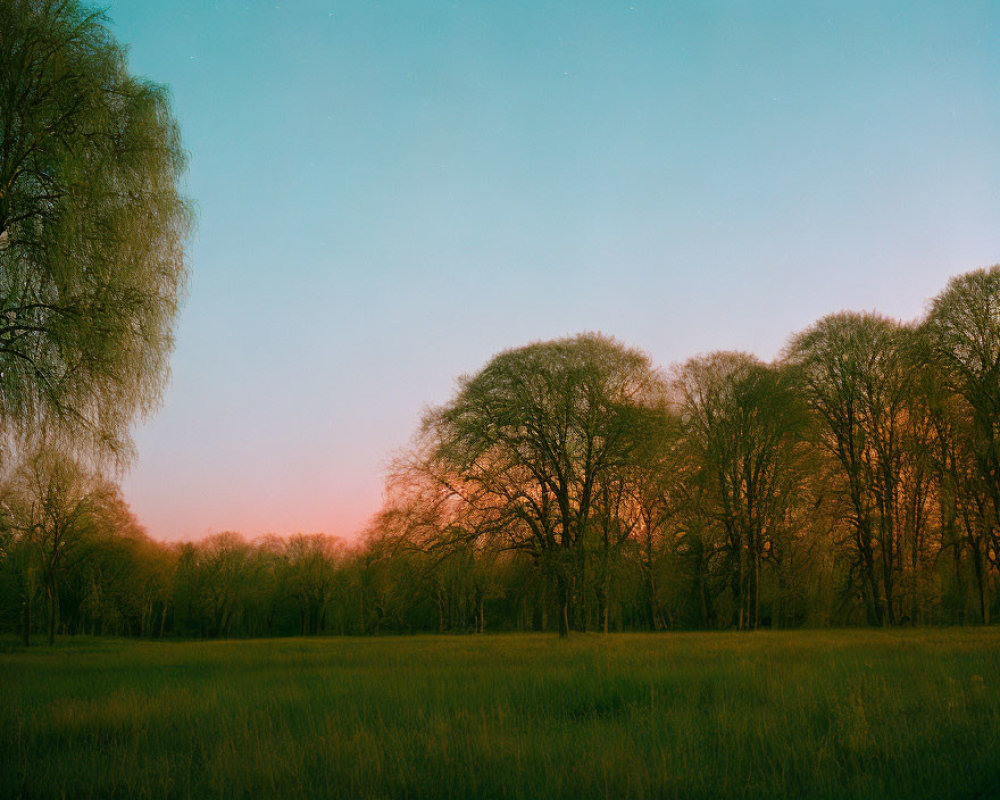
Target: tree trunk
{"type": "Point", "coordinates": [869, 584]}
{"type": "Point", "coordinates": [984, 603]}
{"type": "Point", "coordinates": [889, 620]}
{"type": "Point", "coordinates": [651, 603]}
{"type": "Point", "coordinates": [917, 607]}
{"type": "Point", "coordinates": [740, 589]}
{"type": "Point", "coordinates": [706, 611]}
{"type": "Point", "coordinates": [756, 591]}
{"type": "Point", "coordinates": [602, 606]}
{"type": "Point", "coordinates": [51, 590]}
{"type": "Point", "coordinates": [27, 619]}
{"type": "Point", "coordinates": [563, 591]}
{"type": "Point", "coordinates": [960, 590]}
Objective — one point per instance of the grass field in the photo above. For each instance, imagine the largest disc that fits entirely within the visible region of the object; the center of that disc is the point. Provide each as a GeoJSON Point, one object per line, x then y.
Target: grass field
{"type": "Point", "coordinates": [819, 714]}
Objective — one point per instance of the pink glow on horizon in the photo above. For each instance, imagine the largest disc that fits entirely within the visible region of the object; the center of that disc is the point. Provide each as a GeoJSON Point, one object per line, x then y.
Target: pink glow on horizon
{"type": "Point", "coordinates": [251, 514]}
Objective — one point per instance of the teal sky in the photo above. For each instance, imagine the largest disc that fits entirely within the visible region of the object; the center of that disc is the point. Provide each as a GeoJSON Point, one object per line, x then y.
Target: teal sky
{"type": "Point", "coordinates": [389, 193]}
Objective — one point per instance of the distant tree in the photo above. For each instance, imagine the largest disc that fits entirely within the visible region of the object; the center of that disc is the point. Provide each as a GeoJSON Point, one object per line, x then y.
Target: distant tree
{"type": "Point", "coordinates": [855, 371]}
{"type": "Point", "coordinates": [123, 584]}
{"type": "Point", "coordinates": [655, 484]}
{"type": "Point", "coordinates": [743, 425]}
{"type": "Point", "coordinates": [223, 560]}
{"type": "Point", "coordinates": [435, 529]}
{"type": "Point", "coordinates": [631, 504]}
{"type": "Point", "coordinates": [311, 562]}
{"type": "Point", "coordinates": [962, 332]}
{"type": "Point", "coordinates": [56, 506]}
{"type": "Point", "coordinates": [616, 520]}
{"type": "Point", "coordinates": [529, 439]}
{"type": "Point", "coordinates": [92, 227]}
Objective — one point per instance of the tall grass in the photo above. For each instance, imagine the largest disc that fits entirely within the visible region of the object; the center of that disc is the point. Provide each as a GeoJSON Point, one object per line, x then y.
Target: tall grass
{"type": "Point", "coordinates": [818, 714]}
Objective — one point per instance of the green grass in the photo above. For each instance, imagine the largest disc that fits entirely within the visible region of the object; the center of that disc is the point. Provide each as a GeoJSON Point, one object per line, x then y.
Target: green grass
{"type": "Point", "coordinates": [819, 714]}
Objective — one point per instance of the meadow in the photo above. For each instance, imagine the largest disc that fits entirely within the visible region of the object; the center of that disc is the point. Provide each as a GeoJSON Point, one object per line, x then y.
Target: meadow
{"type": "Point", "coordinates": [824, 714]}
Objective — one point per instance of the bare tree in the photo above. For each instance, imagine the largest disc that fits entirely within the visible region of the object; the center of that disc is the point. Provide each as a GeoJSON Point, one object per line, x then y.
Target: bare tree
{"type": "Point", "coordinates": [743, 425]}
{"type": "Point", "coordinates": [55, 505]}
{"type": "Point", "coordinates": [962, 332]}
{"type": "Point", "coordinates": [311, 562]}
{"type": "Point", "coordinates": [855, 371]}
{"type": "Point", "coordinates": [530, 438]}
{"type": "Point", "coordinates": [656, 486]}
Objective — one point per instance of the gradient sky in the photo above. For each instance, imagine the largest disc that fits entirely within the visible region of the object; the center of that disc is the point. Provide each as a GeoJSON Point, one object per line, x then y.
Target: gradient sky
{"type": "Point", "coordinates": [389, 193]}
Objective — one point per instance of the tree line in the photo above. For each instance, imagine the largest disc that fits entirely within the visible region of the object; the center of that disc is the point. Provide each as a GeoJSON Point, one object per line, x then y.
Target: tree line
{"type": "Point", "coordinates": [854, 480]}
{"type": "Point", "coordinates": [569, 484]}
{"type": "Point", "coordinates": [572, 485]}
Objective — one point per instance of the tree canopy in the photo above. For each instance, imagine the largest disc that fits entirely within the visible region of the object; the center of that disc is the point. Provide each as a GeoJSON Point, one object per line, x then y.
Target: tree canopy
{"type": "Point", "coordinates": [92, 228]}
{"type": "Point", "coordinates": [535, 436]}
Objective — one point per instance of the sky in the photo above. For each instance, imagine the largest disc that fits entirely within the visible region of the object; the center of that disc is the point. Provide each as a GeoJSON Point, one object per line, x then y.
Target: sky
{"type": "Point", "coordinates": [390, 193]}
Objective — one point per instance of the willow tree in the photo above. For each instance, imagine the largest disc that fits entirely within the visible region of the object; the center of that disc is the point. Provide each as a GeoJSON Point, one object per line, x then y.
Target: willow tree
{"type": "Point", "coordinates": [92, 227]}
{"type": "Point", "coordinates": [532, 437]}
